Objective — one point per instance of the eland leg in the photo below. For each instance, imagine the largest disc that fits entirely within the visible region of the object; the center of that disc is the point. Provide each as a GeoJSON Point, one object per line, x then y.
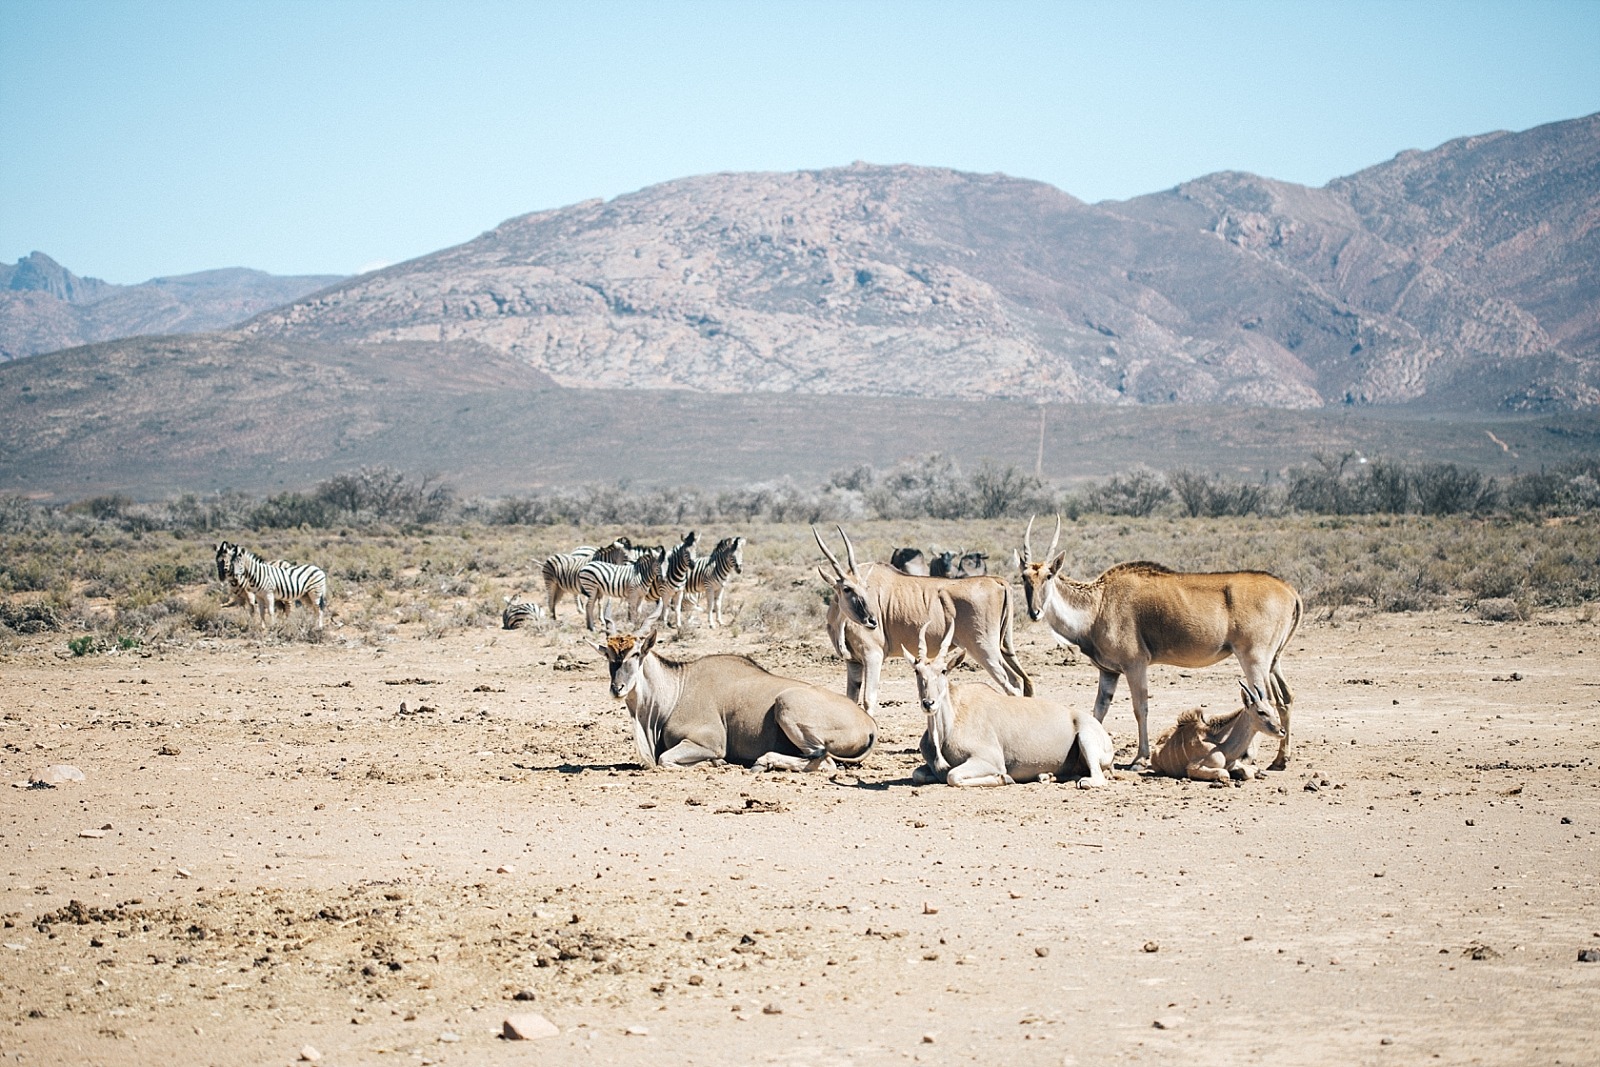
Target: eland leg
{"type": "Point", "coordinates": [1094, 744]}
{"type": "Point", "coordinates": [1139, 691]}
{"type": "Point", "coordinates": [1283, 700]}
{"type": "Point", "coordinates": [978, 773]}
{"type": "Point", "coordinates": [687, 753]}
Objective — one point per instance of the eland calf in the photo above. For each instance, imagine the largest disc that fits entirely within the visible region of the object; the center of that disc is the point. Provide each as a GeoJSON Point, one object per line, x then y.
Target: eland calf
{"type": "Point", "coordinates": [725, 707]}
{"type": "Point", "coordinates": [978, 737]}
{"type": "Point", "coordinates": [1213, 750]}
{"type": "Point", "coordinates": [1136, 614]}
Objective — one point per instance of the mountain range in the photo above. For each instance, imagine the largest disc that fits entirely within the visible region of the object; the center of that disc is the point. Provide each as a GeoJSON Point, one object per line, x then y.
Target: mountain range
{"type": "Point", "coordinates": [45, 307]}
{"type": "Point", "coordinates": [798, 320]}
{"type": "Point", "coordinates": [1468, 275]}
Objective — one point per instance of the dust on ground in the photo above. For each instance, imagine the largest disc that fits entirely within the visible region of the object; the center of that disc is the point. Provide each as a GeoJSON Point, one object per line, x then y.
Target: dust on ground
{"type": "Point", "coordinates": [382, 852]}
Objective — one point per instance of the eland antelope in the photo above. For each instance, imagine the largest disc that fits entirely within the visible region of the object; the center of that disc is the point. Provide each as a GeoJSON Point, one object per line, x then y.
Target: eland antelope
{"type": "Point", "coordinates": [725, 707]}
{"type": "Point", "coordinates": [976, 736]}
{"type": "Point", "coordinates": [1136, 614]}
{"type": "Point", "coordinates": [878, 611]}
{"type": "Point", "coordinates": [1215, 749]}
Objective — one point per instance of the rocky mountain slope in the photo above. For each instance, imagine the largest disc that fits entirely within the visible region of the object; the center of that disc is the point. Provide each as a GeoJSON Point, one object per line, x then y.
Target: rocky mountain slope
{"type": "Point", "coordinates": [1462, 276]}
{"type": "Point", "coordinates": [44, 306]}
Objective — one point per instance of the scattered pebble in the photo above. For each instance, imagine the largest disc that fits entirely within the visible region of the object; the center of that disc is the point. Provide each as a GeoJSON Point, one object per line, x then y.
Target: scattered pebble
{"type": "Point", "coordinates": [928, 1038]}
{"type": "Point", "coordinates": [1152, 946]}
{"type": "Point", "coordinates": [637, 1031]}
{"type": "Point", "coordinates": [772, 1009]}
{"type": "Point", "coordinates": [91, 833]}
{"type": "Point", "coordinates": [524, 994]}
{"type": "Point", "coordinates": [1041, 951]}
{"type": "Point", "coordinates": [449, 1037]}
{"type": "Point", "coordinates": [505, 868]}
{"type": "Point", "coordinates": [1168, 1022]}
{"type": "Point", "coordinates": [59, 774]}
{"type": "Point", "coordinates": [309, 1054]}
{"type": "Point", "coordinates": [929, 908]}
{"type": "Point", "coordinates": [1385, 1040]}
{"type": "Point", "coordinates": [1589, 955]}
{"type": "Point", "coordinates": [527, 1027]}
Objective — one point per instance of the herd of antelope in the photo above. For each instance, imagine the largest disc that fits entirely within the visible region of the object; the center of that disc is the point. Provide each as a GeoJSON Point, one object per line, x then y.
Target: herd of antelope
{"type": "Point", "coordinates": [727, 708]}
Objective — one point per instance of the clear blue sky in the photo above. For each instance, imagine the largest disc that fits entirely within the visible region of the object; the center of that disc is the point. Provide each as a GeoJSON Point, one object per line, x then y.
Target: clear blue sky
{"type": "Point", "coordinates": [146, 138]}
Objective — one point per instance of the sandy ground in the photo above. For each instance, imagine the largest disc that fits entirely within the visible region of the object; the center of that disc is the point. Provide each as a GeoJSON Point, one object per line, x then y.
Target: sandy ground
{"type": "Point", "coordinates": [265, 853]}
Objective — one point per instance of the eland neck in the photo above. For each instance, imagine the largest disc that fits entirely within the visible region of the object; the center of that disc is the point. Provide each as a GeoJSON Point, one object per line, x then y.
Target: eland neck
{"type": "Point", "coordinates": [651, 702]}
{"type": "Point", "coordinates": [1233, 733]}
{"type": "Point", "coordinates": [1070, 606]}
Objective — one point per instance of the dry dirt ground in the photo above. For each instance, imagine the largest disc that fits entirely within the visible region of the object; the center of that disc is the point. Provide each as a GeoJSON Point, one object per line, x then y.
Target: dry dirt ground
{"type": "Point", "coordinates": [267, 853]}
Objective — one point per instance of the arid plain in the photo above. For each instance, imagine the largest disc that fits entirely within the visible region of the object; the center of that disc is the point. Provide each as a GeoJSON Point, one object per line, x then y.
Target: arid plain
{"type": "Point", "coordinates": [380, 850]}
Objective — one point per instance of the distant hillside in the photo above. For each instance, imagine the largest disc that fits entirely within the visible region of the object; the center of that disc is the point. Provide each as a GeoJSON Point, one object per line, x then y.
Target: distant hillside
{"type": "Point", "coordinates": [1465, 277]}
{"type": "Point", "coordinates": [157, 415]}
{"type": "Point", "coordinates": [45, 307]}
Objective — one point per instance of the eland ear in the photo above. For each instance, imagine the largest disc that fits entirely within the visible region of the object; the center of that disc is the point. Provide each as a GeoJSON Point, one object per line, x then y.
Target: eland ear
{"type": "Point", "coordinates": [1055, 563]}
{"type": "Point", "coordinates": [602, 649]}
{"type": "Point", "coordinates": [956, 660]}
{"type": "Point", "coordinates": [647, 641]}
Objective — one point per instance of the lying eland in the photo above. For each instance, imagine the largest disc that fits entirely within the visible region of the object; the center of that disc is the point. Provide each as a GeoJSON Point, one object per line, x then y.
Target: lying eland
{"type": "Point", "coordinates": [725, 707]}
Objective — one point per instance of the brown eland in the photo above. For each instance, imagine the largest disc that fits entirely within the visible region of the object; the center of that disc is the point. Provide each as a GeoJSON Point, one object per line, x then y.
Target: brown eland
{"type": "Point", "coordinates": [1136, 614]}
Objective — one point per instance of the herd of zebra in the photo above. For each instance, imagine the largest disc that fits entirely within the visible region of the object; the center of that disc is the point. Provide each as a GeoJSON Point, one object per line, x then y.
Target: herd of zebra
{"type": "Point", "coordinates": [637, 575]}
{"type": "Point", "coordinates": [262, 586]}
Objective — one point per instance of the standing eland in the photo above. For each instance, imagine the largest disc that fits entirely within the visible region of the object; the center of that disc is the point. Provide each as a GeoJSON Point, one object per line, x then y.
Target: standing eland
{"type": "Point", "coordinates": [1136, 614]}
{"type": "Point", "coordinates": [879, 611]}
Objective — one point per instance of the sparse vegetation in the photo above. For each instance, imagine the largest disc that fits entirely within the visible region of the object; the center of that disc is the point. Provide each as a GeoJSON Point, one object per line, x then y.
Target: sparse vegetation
{"type": "Point", "coordinates": [404, 555]}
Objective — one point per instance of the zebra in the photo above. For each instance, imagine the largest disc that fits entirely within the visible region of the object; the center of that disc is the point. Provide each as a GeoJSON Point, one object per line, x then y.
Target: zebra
{"type": "Point", "coordinates": [238, 595]}
{"type": "Point", "coordinates": [519, 612]}
{"type": "Point", "coordinates": [712, 575]}
{"type": "Point", "coordinates": [279, 580]}
{"type": "Point", "coordinates": [634, 582]}
{"type": "Point", "coordinates": [561, 576]}
{"type": "Point", "coordinates": [679, 564]}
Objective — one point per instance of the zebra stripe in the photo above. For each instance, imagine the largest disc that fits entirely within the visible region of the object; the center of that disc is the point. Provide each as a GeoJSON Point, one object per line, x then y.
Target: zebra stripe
{"type": "Point", "coordinates": [279, 580]}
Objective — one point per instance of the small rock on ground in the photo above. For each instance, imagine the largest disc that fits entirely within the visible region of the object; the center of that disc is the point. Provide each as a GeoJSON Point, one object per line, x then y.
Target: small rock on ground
{"type": "Point", "coordinates": [528, 1026]}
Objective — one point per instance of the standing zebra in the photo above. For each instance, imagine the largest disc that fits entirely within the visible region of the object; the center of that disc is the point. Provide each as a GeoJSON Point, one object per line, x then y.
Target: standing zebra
{"type": "Point", "coordinates": [634, 582]}
{"type": "Point", "coordinates": [561, 576]}
{"type": "Point", "coordinates": [712, 575]}
{"type": "Point", "coordinates": [279, 580]}
{"type": "Point", "coordinates": [679, 565]}
{"type": "Point", "coordinates": [238, 595]}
